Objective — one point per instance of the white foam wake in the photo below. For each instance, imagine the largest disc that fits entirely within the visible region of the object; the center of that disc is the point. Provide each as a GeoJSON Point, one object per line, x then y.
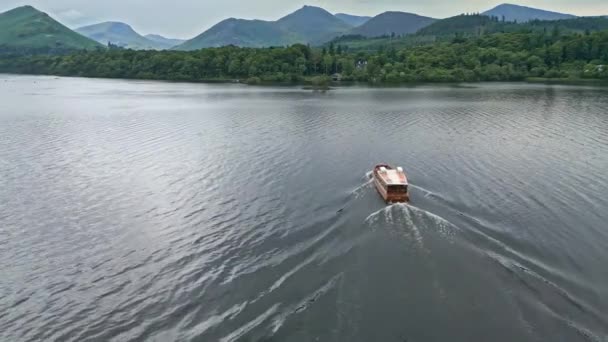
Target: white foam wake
{"type": "Point", "coordinates": [360, 190]}
{"type": "Point", "coordinates": [411, 217]}
{"type": "Point", "coordinates": [426, 192]}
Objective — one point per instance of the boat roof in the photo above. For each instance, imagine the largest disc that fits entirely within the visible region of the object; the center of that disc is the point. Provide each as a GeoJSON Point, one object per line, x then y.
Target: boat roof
{"type": "Point", "coordinates": [394, 177]}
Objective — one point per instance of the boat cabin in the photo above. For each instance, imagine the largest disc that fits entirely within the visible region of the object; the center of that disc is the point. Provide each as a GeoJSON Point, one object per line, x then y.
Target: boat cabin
{"type": "Point", "coordinates": [391, 183]}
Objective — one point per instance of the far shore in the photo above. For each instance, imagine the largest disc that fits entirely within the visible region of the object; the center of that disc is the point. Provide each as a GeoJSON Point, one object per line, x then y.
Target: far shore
{"type": "Point", "coordinates": [308, 84]}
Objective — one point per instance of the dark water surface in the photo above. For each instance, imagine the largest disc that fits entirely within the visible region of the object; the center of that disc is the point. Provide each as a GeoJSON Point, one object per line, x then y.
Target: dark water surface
{"type": "Point", "coordinates": [158, 211]}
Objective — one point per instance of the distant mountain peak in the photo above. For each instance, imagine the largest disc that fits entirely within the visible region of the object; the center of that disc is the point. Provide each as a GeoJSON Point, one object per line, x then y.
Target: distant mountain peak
{"type": "Point", "coordinates": [309, 10]}
{"type": "Point", "coordinates": [107, 24]}
{"type": "Point", "coordinates": [117, 23]}
{"type": "Point", "coordinates": [391, 22]}
{"type": "Point", "coordinates": [121, 34]}
{"type": "Point", "coordinates": [26, 27]}
{"type": "Point", "coordinates": [512, 12]}
{"type": "Point", "coordinates": [315, 8]}
{"type": "Point", "coordinates": [307, 25]}
{"type": "Point", "coordinates": [27, 9]}
{"type": "Point", "coordinates": [505, 4]}
{"type": "Point", "coordinates": [508, 4]}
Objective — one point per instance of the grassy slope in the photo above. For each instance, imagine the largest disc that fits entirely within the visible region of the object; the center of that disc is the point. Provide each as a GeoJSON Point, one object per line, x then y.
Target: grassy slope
{"type": "Point", "coordinates": [27, 28]}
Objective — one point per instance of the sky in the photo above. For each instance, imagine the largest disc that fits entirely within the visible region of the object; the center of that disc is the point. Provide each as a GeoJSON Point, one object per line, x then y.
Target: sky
{"type": "Point", "coordinates": [188, 18]}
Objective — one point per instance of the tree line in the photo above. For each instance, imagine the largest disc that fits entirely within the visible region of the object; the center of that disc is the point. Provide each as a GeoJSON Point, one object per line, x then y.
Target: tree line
{"type": "Point", "coordinates": [495, 57]}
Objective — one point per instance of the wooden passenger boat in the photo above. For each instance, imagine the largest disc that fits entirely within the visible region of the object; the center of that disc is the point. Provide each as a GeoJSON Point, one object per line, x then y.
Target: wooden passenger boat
{"type": "Point", "coordinates": [391, 183]}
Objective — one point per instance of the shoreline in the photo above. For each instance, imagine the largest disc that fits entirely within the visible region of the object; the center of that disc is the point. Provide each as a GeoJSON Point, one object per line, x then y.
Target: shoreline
{"type": "Point", "coordinates": [309, 85]}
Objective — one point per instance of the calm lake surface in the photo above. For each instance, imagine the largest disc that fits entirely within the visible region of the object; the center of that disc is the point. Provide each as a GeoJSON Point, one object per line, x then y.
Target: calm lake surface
{"type": "Point", "coordinates": [159, 211]}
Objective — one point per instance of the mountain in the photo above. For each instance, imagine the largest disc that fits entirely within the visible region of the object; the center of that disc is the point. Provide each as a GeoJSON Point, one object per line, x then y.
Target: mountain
{"type": "Point", "coordinates": [523, 14]}
{"type": "Point", "coordinates": [27, 28]}
{"type": "Point", "coordinates": [239, 32]}
{"type": "Point", "coordinates": [119, 34]}
{"type": "Point", "coordinates": [352, 20]}
{"type": "Point", "coordinates": [475, 25]}
{"type": "Point", "coordinates": [387, 23]}
{"type": "Point", "coordinates": [308, 25]}
{"type": "Point", "coordinates": [467, 26]}
{"type": "Point", "coordinates": [460, 24]}
{"type": "Point", "coordinates": [313, 25]}
{"type": "Point", "coordinates": [164, 42]}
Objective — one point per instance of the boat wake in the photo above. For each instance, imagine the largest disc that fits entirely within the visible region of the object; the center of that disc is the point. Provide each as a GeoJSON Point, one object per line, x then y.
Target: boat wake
{"type": "Point", "coordinates": [427, 193]}
{"type": "Point", "coordinates": [410, 219]}
{"type": "Point", "coordinates": [360, 190]}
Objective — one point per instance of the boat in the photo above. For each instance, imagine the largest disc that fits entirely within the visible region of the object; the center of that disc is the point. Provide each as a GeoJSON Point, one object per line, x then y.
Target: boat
{"type": "Point", "coordinates": [391, 183]}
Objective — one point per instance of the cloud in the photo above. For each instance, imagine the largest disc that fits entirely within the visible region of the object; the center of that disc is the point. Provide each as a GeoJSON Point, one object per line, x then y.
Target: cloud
{"type": "Point", "coordinates": [71, 16]}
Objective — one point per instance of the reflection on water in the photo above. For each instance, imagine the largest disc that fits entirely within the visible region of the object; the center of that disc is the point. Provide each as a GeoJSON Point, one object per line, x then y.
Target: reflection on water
{"type": "Point", "coordinates": [159, 211]}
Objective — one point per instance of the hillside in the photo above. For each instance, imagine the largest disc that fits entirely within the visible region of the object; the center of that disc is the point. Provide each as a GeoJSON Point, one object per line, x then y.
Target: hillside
{"type": "Point", "coordinates": [460, 24]}
{"type": "Point", "coordinates": [313, 25]}
{"type": "Point", "coordinates": [463, 26]}
{"type": "Point", "coordinates": [308, 25]}
{"type": "Point", "coordinates": [523, 14]}
{"type": "Point", "coordinates": [352, 20]}
{"type": "Point", "coordinates": [475, 25]}
{"type": "Point", "coordinates": [119, 34]}
{"type": "Point", "coordinates": [164, 42]}
{"type": "Point", "coordinates": [387, 23]}
{"type": "Point", "coordinates": [239, 32]}
{"type": "Point", "coordinates": [26, 28]}
{"type": "Point", "coordinates": [493, 57]}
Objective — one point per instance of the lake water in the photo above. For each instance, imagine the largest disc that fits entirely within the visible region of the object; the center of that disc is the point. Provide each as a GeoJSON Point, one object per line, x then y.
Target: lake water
{"type": "Point", "coordinates": [158, 211]}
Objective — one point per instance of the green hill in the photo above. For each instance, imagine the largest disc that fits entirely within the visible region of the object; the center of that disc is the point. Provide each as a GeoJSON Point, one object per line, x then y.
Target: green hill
{"type": "Point", "coordinates": [472, 26]}
{"type": "Point", "coordinates": [476, 25]}
{"type": "Point", "coordinates": [392, 23]}
{"type": "Point", "coordinates": [523, 14]}
{"type": "Point", "coordinates": [238, 32]}
{"type": "Point", "coordinates": [313, 25]}
{"type": "Point", "coordinates": [26, 28]}
{"type": "Point", "coordinates": [461, 24]}
{"type": "Point", "coordinates": [309, 25]}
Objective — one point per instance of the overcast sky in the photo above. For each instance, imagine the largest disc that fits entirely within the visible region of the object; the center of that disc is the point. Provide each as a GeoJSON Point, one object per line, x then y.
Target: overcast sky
{"type": "Point", "coordinates": [188, 18]}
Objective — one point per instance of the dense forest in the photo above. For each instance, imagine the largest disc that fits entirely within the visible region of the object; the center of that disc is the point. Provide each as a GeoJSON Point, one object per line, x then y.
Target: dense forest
{"type": "Point", "coordinates": [493, 57]}
{"type": "Point", "coordinates": [471, 25]}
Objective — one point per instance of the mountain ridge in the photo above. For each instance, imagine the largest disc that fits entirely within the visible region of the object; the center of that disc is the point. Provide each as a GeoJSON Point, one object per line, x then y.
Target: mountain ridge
{"type": "Point", "coordinates": [307, 25]}
{"type": "Point", "coordinates": [392, 22]}
{"type": "Point", "coordinates": [26, 27]}
{"type": "Point", "coordinates": [118, 33]}
{"type": "Point", "coordinates": [519, 13]}
{"type": "Point", "coordinates": [163, 41]}
{"type": "Point", "coordinates": [353, 20]}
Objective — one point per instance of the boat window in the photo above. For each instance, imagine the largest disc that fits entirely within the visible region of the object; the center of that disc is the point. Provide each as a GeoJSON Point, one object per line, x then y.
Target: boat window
{"type": "Point", "coordinates": [397, 189]}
